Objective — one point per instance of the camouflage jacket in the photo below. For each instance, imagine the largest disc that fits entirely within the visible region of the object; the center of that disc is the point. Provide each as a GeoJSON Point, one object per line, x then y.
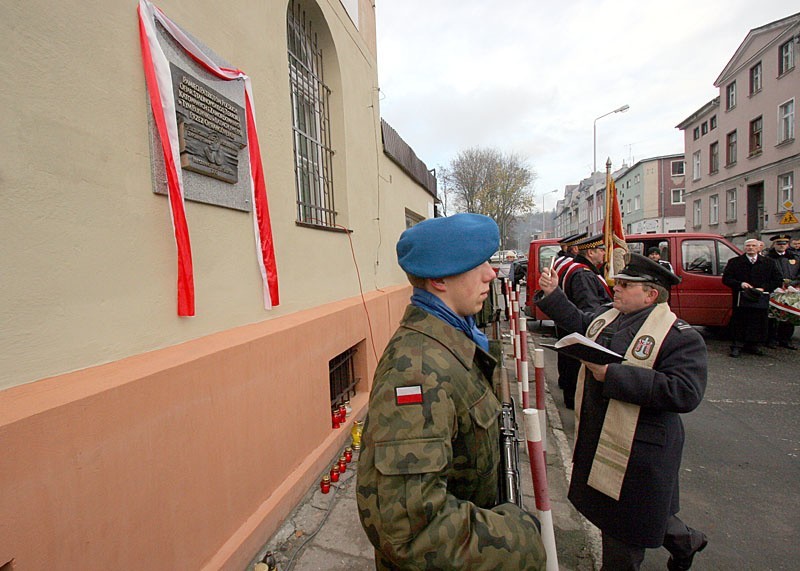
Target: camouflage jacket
{"type": "Point", "coordinates": [428, 468]}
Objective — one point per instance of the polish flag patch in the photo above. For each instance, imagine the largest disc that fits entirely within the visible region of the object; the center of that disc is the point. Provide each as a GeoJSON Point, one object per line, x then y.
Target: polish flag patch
{"type": "Point", "coordinates": [408, 395]}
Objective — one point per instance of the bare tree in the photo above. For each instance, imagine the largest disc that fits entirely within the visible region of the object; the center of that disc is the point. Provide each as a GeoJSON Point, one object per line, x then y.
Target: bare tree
{"type": "Point", "coordinates": [489, 182]}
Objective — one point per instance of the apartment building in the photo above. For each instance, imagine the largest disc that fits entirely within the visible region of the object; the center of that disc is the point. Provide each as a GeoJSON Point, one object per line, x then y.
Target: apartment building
{"type": "Point", "coordinates": [136, 432]}
{"type": "Point", "coordinates": [651, 195]}
{"type": "Point", "coordinates": [741, 149]}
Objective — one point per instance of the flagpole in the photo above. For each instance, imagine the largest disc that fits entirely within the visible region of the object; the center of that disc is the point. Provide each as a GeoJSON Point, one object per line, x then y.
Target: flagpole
{"type": "Point", "coordinates": [608, 227]}
{"type": "Point", "coordinates": [613, 232]}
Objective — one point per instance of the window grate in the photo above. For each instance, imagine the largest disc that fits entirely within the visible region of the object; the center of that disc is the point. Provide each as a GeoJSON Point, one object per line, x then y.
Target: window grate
{"type": "Point", "coordinates": [310, 122]}
{"type": "Point", "coordinates": [343, 380]}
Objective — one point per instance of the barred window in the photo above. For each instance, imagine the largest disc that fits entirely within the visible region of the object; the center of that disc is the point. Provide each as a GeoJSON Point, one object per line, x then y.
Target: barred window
{"type": "Point", "coordinates": [343, 380]}
{"type": "Point", "coordinates": [310, 122]}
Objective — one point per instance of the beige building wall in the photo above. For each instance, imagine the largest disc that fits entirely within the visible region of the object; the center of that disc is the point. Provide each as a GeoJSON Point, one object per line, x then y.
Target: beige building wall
{"type": "Point", "coordinates": [91, 247]}
{"type": "Point", "coordinates": [131, 437]}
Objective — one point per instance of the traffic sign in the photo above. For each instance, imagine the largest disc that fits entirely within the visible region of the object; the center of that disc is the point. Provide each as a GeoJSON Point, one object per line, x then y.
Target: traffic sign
{"type": "Point", "coordinates": [789, 218]}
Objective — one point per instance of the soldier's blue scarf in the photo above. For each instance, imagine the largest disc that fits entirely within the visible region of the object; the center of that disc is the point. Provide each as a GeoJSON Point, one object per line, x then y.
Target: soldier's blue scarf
{"type": "Point", "coordinates": [430, 303]}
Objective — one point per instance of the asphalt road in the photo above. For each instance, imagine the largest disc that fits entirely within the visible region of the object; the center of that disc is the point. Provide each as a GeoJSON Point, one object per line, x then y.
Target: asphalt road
{"type": "Point", "coordinates": [740, 476]}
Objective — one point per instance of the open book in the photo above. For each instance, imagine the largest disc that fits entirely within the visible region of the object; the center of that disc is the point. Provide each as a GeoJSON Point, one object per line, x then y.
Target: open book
{"type": "Point", "coordinates": [582, 348]}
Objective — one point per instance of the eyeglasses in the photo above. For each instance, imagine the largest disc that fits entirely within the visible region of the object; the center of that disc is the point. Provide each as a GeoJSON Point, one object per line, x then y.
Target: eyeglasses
{"type": "Point", "coordinates": [625, 285]}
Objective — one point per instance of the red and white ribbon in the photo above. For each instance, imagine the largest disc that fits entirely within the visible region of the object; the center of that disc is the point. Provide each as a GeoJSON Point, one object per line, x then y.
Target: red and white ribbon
{"type": "Point", "coordinates": [159, 86]}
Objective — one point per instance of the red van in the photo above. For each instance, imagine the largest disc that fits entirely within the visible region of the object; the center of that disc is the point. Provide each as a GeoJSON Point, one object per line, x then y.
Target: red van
{"type": "Point", "coordinates": [699, 259]}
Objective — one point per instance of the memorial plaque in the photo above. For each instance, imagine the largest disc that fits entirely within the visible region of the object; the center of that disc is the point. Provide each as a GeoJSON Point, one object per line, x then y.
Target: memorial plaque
{"type": "Point", "coordinates": [211, 128]}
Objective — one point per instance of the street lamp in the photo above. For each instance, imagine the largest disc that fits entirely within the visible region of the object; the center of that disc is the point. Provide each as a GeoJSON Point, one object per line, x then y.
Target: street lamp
{"type": "Point", "coordinates": [543, 224]}
{"type": "Point", "coordinates": [617, 110]}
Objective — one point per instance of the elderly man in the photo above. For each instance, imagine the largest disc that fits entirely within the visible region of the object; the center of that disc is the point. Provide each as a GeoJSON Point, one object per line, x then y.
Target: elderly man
{"type": "Point", "coordinates": [629, 435]}
{"type": "Point", "coordinates": [751, 278]}
{"type": "Point", "coordinates": [428, 470]}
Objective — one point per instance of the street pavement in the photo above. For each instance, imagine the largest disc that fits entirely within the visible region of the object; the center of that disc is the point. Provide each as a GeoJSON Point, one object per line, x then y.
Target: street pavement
{"type": "Point", "coordinates": [324, 532]}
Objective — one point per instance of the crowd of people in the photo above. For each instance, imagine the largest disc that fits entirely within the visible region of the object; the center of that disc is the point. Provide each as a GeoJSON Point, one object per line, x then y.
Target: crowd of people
{"type": "Point", "coordinates": [428, 494]}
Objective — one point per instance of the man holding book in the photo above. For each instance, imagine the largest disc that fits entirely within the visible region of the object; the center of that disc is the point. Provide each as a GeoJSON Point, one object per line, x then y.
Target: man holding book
{"type": "Point", "coordinates": [629, 435]}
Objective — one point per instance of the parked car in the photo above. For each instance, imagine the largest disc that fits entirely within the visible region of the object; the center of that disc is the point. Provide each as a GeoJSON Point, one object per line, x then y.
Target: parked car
{"type": "Point", "coordinates": [698, 259]}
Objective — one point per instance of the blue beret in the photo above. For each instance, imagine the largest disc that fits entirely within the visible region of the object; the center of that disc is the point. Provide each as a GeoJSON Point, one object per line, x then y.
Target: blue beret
{"type": "Point", "coordinates": [441, 247]}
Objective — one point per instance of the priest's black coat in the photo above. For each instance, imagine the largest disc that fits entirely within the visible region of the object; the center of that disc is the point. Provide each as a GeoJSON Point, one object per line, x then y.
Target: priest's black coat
{"type": "Point", "coordinates": [674, 385]}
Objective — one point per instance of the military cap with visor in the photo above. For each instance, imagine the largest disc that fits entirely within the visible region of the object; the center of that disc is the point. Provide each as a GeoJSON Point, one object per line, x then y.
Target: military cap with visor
{"type": "Point", "coordinates": [640, 268]}
{"type": "Point", "coordinates": [595, 241]}
{"type": "Point", "coordinates": [781, 238]}
{"type": "Point", "coordinates": [573, 240]}
{"type": "Point", "coordinates": [442, 247]}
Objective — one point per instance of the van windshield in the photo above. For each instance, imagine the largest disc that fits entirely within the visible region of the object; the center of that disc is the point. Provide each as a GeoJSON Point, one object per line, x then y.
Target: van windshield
{"type": "Point", "coordinates": [546, 255]}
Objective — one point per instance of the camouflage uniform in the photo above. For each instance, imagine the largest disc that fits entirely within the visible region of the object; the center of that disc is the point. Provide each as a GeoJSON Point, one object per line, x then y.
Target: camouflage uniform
{"type": "Point", "coordinates": [428, 472]}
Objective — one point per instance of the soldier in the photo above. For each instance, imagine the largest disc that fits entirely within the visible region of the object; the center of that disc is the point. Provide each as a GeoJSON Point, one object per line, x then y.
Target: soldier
{"type": "Point", "coordinates": [629, 435]}
{"type": "Point", "coordinates": [751, 277]}
{"type": "Point", "coordinates": [585, 287]}
{"type": "Point", "coordinates": [781, 332]}
{"type": "Point", "coordinates": [428, 470]}
{"type": "Point", "coordinates": [565, 246]}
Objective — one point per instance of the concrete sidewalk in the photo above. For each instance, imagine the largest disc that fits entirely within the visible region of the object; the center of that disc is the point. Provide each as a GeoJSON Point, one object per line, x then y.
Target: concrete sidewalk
{"type": "Point", "coordinates": [324, 532]}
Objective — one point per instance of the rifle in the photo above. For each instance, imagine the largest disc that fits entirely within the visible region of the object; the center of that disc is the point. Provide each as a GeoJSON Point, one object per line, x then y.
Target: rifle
{"type": "Point", "coordinates": [509, 480]}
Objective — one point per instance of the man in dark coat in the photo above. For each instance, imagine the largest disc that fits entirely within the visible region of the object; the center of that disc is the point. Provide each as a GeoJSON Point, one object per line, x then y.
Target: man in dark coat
{"type": "Point", "coordinates": [584, 286]}
{"type": "Point", "coordinates": [781, 332]}
{"type": "Point", "coordinates": [670, 379]}
{"type": "Point", "coordinates": [751, 278]}
{"type": "Point", "coordinates": [563, 260]}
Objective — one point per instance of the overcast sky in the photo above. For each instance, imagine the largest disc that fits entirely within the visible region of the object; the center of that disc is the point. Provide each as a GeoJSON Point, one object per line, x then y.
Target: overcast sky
{"type": "Point", "coordinates": [531, 76]}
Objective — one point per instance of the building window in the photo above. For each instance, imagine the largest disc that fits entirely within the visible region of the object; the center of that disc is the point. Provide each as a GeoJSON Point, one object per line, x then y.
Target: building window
{"type": "Point", "coordinates": [310, 123]}
{"type": "Point", "coordinates": [704, 128]}
{"type": "Point", "coordinates": [755, 136]}
{"type": "Point", "coordinates": [755, 78]}
{"type": "Point", "coordinates": [713, 157]}
{"type": "Point", "coordinates": [785, 190]}
{"type": "Point", "coordinates": [678, 168]}
{"type": "Point", "coordinates": [713, 209]}
{"type": "Point", "coordinates": [730, 207]}
{"type": "Point", "coordinates": [786, 57]}
{"type": "Point", "coordinates": [786, 121]}
{"type": "Point", "coordinates": [696, 165]}
{"type": "Point", "coordinates": [696, 133]}
{"type": "Point", "coordinates": [412, 218]}
{"type": "Point", "coordinates": [342, 377]}
{"type": "Point", "coordinates": [730, 148]}
{"type": "Point", "coordinates": [637, 202]}
{"type": "Point", "coordinates": [678, 195]}
{"type": "Point", "coordinates": [628, 206]}
{"type": "Point", "coordinates": [636, 179]}
{"type": "Point", "coordinates": [712, 123]}
{"type": "Point", "coordinates": [730, 96]}
{"type": "Point", "coordinates": [698, 212]}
